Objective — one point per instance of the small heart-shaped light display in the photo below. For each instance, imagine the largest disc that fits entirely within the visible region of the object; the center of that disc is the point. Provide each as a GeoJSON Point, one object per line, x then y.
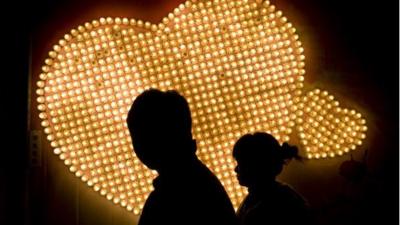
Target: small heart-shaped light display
{"type": "Point", "coordinates": [325, 129]}
{"type": "Point", "coordinates": [239, 63]}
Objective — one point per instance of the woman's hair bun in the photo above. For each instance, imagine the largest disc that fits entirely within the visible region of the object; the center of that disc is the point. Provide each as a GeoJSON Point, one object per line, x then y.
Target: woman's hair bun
{"type": "Point", "coordinates": [290, 152]}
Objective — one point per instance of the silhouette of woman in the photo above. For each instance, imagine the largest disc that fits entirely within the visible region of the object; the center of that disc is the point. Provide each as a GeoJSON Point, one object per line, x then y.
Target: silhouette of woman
{"type": "Point", "coordinates": [260, 158]}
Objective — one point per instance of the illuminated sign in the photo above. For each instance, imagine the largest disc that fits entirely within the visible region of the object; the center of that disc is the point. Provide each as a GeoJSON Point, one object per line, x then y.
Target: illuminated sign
{"type": "Point", "coordinates": [240, 65]}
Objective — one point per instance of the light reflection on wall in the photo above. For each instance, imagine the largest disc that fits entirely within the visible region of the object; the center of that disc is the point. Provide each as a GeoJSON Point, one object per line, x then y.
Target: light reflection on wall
{"type": "Point", "coordinates": [240, 65]}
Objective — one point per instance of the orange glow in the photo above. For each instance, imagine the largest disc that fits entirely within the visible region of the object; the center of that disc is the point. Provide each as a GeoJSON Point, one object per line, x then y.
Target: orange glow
{"type": "Point", "coordinates": [240, 65]}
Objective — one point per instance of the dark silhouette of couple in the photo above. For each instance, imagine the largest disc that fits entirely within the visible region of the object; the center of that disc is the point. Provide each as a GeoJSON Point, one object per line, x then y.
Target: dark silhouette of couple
{"type": "Point", "coordinates": [186, 191]}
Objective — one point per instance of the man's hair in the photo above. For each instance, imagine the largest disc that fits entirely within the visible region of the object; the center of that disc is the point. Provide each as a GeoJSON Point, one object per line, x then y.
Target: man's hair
{"type": "Point", "coordinates": [164, 110]}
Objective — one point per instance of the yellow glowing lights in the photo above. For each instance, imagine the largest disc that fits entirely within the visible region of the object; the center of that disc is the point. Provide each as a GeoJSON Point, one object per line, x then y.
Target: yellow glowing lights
{"type": "Point", "coordinates": [239, 63]}
{"type": "Point", "coordinates": [325, 129]}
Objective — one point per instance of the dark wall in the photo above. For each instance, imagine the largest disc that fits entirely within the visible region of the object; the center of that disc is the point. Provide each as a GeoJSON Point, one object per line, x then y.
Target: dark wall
{"type": "Point", "coordinates": [14, 94]}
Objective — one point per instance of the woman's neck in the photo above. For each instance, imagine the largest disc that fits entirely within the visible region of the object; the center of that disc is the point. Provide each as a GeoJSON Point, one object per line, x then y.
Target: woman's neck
{"type": "Point", "coordinates": [261, 187]}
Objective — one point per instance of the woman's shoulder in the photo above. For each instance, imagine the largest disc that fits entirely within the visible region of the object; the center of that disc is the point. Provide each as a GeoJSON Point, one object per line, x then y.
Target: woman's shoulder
{"type": "Point", "coordinates": [287, 192]}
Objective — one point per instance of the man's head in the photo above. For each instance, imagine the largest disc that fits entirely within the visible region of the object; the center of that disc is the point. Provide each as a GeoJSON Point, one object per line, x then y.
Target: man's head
{"type": "Point", "coordinates": [161, 129]}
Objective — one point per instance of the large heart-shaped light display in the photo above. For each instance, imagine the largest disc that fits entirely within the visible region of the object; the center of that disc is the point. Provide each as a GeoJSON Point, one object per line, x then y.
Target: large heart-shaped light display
{"type": "Point", "coordinates": [239, 63]}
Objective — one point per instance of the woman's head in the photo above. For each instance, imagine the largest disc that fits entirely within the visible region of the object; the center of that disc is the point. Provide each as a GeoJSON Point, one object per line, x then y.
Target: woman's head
{"type": "Point", "coordinates": [260, 158]}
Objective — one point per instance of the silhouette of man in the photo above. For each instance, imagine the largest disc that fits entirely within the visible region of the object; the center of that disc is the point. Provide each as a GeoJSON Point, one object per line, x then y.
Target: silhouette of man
{"type": "Point", "coordinates": [185, 191]}
{"type": "Point", "coordinates": [260, 159]}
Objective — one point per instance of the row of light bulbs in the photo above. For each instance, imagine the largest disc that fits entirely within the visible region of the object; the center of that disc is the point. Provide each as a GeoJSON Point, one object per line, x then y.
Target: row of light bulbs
{"type": "Point", "coordinates": [325, 129]}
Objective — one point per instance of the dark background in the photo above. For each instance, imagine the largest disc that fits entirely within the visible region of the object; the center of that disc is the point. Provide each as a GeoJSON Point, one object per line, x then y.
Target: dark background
{"type": "Point", "coordinates": [359, 38]}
